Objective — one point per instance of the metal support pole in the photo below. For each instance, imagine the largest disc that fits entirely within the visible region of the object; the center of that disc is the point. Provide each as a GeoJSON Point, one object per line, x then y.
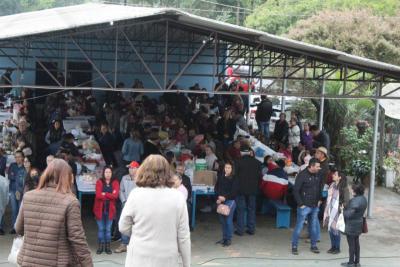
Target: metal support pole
{"type": "Point", "coordinates": [166, 56]}
{"type": "Point", "coordinates": [142, 60]}
{"type": "Point", "coordinates": [92, 63]}
{"type": "Point", "coordinates": [322, 107]}
{"type": "Point", "coordinates": [283, 104]}
{"type": "Point", "coordinates": [201, 48]}
{"type": "Point", "coordinates": [374, 146]}
{"type": "Point", "coordinates": [116, 58]}
{"type": "Point", "coordinates": [214, 62]}
{"type": "Point", "coordinates": [45, 69]}
{"type": "Point", "coordinates": [65, 62]}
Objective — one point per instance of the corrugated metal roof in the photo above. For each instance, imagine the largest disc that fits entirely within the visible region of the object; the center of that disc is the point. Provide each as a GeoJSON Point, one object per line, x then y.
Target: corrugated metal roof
{"type": "Point", "coordinates": [73, 17]}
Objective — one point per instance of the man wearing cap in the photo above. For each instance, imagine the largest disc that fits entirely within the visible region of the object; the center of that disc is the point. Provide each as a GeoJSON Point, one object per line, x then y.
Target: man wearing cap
{"type": "Point", "coordinates": [127, 184]}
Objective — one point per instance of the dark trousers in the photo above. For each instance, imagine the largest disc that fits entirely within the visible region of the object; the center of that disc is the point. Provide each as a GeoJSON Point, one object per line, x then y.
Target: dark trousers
{"type": "Point", "coordinates": [115, 229]}
{"type": "Point", "coordinates": [243, 204]}
{"type": "Point", "coordinates": [354, 248]}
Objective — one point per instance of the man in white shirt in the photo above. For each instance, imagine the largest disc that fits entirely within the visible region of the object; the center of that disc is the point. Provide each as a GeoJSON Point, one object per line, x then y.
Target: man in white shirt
{"type": "Point", "coordinates": [127, 184]}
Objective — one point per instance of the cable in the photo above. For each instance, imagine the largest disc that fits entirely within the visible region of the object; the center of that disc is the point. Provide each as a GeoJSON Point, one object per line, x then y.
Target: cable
{"type": "Point", "coordinates": [295, 259]}
{"type": "Point", "coordinates": [235, 7]}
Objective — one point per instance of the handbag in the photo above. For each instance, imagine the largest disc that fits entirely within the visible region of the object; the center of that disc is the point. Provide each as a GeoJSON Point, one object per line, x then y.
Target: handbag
{"type": "Point", "coordinates": [223, 209]}
{"type": "Point", "coordinates": [340, 224]}
{"type": "Point", "coordinates": [16, 247]}
{"type": "Point", "coordinates": [364, 226]}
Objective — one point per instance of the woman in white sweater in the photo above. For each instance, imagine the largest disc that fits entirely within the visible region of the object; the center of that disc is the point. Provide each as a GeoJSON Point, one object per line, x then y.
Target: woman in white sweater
{"type": "Point", "coordinates": [156, 218]}
{"type": "Point", "coordinates": [294, 133]}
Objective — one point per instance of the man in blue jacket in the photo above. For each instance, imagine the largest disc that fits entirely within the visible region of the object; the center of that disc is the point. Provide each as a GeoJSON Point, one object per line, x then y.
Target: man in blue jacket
{"type": "Point", "coordinates": [16, 175]}
{"type": "Point", "coordinates": [307, 192]}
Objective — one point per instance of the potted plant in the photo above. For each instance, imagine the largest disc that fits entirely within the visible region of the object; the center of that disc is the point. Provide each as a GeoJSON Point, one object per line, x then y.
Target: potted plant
{"type": "Point", "coordinates": [390, 164]}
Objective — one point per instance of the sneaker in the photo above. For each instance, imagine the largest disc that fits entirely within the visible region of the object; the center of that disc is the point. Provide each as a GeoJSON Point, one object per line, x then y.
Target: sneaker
{"type": "Point", "coordinates": [331, 250]}
{"type": "Point", "coordinates": [249, 232]}
{"type": "Point", "coordinates": [120, 249]}
{"type": "Point", "coordinates": [336, 251]}
{"type": "Point", "coordinates": [238, 233]}
{"type": "Point", "coordinates": [2, 232]}
{"type": "Point", "coordinates": [314, 250]}
{"type": "Point", "coordinates": [220, 242]}
{"type": "Point", "coordinates": [227, 243]}
{"type": "Point", "coordinates": [12, 232]}
{"type": "Point", "coordinates": [295, 251]}
{"type": "Point", "coordinates": [348, 264]}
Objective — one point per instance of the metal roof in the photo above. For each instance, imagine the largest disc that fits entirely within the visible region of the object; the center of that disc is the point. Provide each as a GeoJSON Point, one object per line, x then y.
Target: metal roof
{"type": "Point", "coordinates": [74, 17]}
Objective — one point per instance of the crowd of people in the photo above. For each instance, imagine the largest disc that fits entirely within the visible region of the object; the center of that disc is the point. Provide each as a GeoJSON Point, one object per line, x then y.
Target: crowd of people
{"type": "Point", "coordinates": [131, 128]}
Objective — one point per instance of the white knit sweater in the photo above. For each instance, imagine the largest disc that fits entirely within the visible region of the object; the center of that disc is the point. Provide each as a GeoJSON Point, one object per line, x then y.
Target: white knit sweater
{"type": "Point", "coordinates": [157, 221]}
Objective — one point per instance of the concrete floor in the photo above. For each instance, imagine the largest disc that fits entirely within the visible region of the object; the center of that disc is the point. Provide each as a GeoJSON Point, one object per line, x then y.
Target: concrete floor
{"type": "Point", "coordinates": [270, 246]}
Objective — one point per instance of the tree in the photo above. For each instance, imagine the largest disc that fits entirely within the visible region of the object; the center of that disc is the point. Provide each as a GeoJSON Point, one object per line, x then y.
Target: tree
{"type": "Point", "coordinates": [358, 32]}
{"type": "Point", "coordinates": [277, 16]}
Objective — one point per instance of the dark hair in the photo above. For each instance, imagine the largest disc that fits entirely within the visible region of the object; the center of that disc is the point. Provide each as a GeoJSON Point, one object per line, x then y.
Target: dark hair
{"type": "Point", "coordinates": [358, 189]}
{"type": "Point", "coordinates": [103, 178]}
{"type": "Point", "coordinates": [342, 185]}
{"type": "Point", "coordinates": [68, 136]}
{"type": "Point", "coordinates": [314, 128]}
{"type": "Point", "coordinates": [266, 158]}
{"type": "Point", "coordinates": [20, 152]}
{"type": "Point", "coordinates": [312, 162]}
{"type": "Point", "coordinates": [169, 156]}
{"type": "Point", "coordinates": [228, 162]}
{"type": "Point", "coordinates": [281, 163]}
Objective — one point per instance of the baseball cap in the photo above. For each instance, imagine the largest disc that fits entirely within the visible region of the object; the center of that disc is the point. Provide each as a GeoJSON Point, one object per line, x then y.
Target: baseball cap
{"type": "Point", "coordinates": [133, 164]}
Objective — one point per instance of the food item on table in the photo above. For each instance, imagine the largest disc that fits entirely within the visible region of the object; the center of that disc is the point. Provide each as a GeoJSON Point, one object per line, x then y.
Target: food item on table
{"type": "Point", "coordinates": [89, 178]}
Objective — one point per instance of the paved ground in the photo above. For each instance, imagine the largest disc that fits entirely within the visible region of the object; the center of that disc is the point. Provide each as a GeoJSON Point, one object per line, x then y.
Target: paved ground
{"type": "Point", "coordinates": [270, 246]}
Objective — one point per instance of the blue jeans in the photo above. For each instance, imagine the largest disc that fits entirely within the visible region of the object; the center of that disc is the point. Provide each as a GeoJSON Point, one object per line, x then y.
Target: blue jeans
{"type": "Point", "coordinates": [335, 239]}
{"type": "Point", "coordinates": [104, 225]}
{"type": "Point", "coordinates": [15, 204]}
{"type": "Point", "coordinates": [302, 214]}
{"type": "Point", "coordinates": [263, 127]}
{"type": "Point", "coordinates": [318, 227]}
{"type": "Point", "coordinates": [246, 203]}
{"type": "Point", "coordinates": [227, 221]}
{"type": "Point", "coordinates": [125, 239]}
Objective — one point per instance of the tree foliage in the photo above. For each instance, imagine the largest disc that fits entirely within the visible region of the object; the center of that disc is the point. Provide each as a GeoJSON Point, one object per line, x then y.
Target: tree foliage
{"type": "Point", "coordinates": [356, 32]}
{"type": "Point", "coordinates": [277, 16]}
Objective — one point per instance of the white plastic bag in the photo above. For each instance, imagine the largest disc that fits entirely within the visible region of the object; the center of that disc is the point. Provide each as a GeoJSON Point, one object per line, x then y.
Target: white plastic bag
{"type": "Point", "coordinates": [340, 225]}
{"type": "Point", "coordinates": [16, 247]}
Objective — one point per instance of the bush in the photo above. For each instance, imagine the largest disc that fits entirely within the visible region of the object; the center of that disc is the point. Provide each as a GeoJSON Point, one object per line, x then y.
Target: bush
{"type": "Point", "coordinates": [354, 151]}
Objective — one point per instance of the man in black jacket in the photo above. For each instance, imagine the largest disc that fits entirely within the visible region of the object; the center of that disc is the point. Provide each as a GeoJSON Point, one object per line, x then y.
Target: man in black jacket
{"type": "Point", "coordinates": [263, 115]}
{"type": "Point", "coordinates": [248, 171]}
{"type": "Point", "coordinates": [281, 131]}
{"type": "Point", "coordinates": [320, 138]}
{"type": "Point", "coordinates": [307, 192]}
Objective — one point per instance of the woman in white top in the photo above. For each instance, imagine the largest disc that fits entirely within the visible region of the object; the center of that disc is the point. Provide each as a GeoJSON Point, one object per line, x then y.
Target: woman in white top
{"type": "Point", "coordinates": [156, 218]}
{"type": "Point", "coordinates": [294, 133]}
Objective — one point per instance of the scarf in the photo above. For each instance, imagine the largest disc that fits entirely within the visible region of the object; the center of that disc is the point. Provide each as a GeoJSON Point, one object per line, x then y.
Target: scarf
{"type": "Point", "coordinates": [331, 213]}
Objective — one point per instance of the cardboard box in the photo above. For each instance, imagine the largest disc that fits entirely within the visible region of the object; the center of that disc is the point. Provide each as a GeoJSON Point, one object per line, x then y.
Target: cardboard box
{"type": "Point", "coordinates": [208, 178]}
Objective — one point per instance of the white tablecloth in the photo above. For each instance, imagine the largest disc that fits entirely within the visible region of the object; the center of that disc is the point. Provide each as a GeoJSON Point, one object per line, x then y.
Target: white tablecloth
{"type": "Point", "coordinates": [5, 115]}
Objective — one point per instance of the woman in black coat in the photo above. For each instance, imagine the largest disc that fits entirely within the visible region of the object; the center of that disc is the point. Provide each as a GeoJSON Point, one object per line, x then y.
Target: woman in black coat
{"type": "Point", "coordinates": [353, 217]}
{"type": "Point", "coordinates": [226, 190]}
